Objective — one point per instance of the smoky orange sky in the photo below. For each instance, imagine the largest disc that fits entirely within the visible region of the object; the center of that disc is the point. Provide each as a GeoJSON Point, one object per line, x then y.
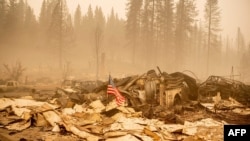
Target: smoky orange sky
{"type": "Point", "coordinates": [234, 13]}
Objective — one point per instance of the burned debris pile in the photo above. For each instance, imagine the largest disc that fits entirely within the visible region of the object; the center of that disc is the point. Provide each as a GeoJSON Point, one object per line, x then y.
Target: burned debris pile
{"type": "Point", "coordinates": [158, 106]}
{"type": "Point", "coordinates": [94, 121]}
{"type": "Point", "coordinates": [226, 88]}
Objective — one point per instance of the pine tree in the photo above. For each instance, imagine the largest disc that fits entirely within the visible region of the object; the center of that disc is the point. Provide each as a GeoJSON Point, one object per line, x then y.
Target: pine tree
{"type": "Point", "coordinates": [245, 65]}
{"type": "Point", "coordinates": [148, 31]}
{"type": "Point", "coordinates": [3, 12]}
{"type": "Point", "coordinates": [98, 35]}
{"type": "Point", "coordinates": [212, 18]}
{"type": "Point", "coordinates": [30, 22]}
{"type": "Point", "coordinates": [30, 25]}
{"type": "Point", "coordinates": [43, 17]}
{"type": "Point", "coordinates": [111, 19]}
{"type": "Point", "coordinates": [133, 24]}
{"type": "Point", "coordinates": [115, 33]}
{"type": "Point", "coordinates": [200, 49]}
{"type": "Point", "coordinates": [61, 30]}
{"type": "Point", "coordinates": [11, 23]}
{"type": "Point", "coordinates": [185, 17]}
{"type": "Point", "coordinates": [111, 32]}
{"type": "Point", "coordinates": [87, 27]}
{"type": "Point", "coordinates": [240, 42]}
{"type": "Point", "coordinates": [168, 22]}
{"type": "Point", "coordinates": [165, 22]}
{"type": "Point", "coordinates": [21, 13]}
{"type": "Point", "coordinates": [90, 14]}
{"type": "Point", "coordinates": [99, 18]}
{"type": "Point", "coordinates": [78, 18]}
{"type": "Point", "coordinates": [14, 23]}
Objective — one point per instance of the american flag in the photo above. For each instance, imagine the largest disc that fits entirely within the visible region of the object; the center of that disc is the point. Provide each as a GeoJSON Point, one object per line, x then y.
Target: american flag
{"type": "Point", "coordinates": [114, 91]}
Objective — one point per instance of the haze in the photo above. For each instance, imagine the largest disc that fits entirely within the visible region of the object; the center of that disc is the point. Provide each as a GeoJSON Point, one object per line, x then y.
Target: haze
{"type": "Point", "coordinates": [234, 13]}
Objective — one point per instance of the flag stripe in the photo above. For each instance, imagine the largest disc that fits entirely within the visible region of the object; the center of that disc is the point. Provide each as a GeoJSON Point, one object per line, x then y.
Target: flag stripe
{"type": "Point", "coordinates": [112, 90]}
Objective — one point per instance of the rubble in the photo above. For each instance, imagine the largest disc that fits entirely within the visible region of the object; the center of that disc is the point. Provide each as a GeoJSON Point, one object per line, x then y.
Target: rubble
{"type": "Point", "coordinates": [229, 111]}
{"type": "Point", "coordinates": [96, 125]}
{"type": "Point", "coordinates": [158, 107]}
{"type": "Point", "coordinates": [226, 87]}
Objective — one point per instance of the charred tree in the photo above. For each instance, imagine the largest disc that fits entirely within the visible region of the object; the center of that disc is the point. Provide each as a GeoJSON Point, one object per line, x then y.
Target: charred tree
{"type": "Point", "coordinates": [15, 71]}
